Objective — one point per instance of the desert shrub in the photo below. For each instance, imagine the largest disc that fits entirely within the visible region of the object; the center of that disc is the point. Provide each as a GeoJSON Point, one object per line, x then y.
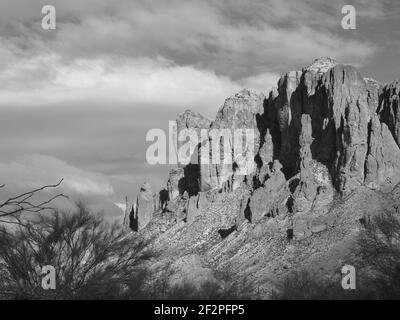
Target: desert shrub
{"type": "Point", "coordinates": [304, 285]}
{"type": "Point", "coordinates": [208, 290]}
{"type": "Point", "coordinates": [378, 246]}
{"type": "Point", "coordinates": [301, 285]}
{"type": "Point", "coordinates": [221, 286]}
{"type": "Point", "coordinates": [377, 261]}
{"type": "Point", "coordinates": [92, 259]}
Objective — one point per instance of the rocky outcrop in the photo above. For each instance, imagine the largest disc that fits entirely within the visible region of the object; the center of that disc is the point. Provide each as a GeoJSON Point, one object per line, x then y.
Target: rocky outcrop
{"type": "Point", "coordinates": [389, 108]}
{"type": "Point", "coordinates": [144, 208]}
{"type": "Point", "coordinates": [193, 121]}
{"type": "Point", "coordinates": [227, 141]}
{"type": "Point", "coordinates": [129, 216]}
{"type": "Point", "coordinates": [322, 65]}
{"type": "Point", "coordinates": [191, 126]}
{"type": "Point", "coordinates": [307, 189]}
{"type": "Point", "coordinates": [176, 182]}
{"type": "Point", "coordinates": [382, 162]}
{"type": "Point", "coordinates": [157, 201]}
{"type": "Point", "coordinates": [263, 199]}
{"type": "Point", "coordinates": [340, 104]}
{"type": "Point", "coordinates": [195, 206]}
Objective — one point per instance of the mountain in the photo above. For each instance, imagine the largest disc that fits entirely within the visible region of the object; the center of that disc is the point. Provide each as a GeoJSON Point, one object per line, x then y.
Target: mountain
{"type": "Point", "coordinates": [324, 155]}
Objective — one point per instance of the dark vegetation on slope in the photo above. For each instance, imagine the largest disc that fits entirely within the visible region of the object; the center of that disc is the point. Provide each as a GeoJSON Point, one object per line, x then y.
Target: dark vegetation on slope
{"type": "Point", "coordinates": [92, 260]}
{"type": "Point", "coordinates": [95, 260]}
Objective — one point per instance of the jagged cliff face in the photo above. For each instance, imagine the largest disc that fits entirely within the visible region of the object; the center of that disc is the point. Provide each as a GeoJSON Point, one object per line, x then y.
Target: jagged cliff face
{"type": "Point", "coordinates": [326, 153]}
{"type": "Point", "coordinates": [241, 111]}
{"type": "Point", "coordinates": [351, 127]}
{"type": "Point", "coordinates": [389, 108]}
{"type": "Point", "coordinates": [343, 122]}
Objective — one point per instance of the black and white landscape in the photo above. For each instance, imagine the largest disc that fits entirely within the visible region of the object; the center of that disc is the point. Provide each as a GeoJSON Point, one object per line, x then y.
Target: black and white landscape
{"type": "Point", "coordinates": [199, 149]}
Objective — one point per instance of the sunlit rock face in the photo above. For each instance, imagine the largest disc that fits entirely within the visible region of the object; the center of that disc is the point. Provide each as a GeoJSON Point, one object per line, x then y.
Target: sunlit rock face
{"type": "Point", "coordinates": [174, 184]}
{"type": "Point", "coordinates": [195, 122]}
{"type": "Point", "coordinates": [322, 65]}
{"type": "Point", "coordinates": [144, 207]}
{"type": "Point", "coordinates": [193, 127]}
{"type": "Point", "coordinates": [239, 113]}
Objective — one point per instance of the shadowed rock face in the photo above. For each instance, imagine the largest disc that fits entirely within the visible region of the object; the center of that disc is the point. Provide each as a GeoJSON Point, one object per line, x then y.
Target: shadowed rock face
{"type": "Point", "coordinates": [129, 217]}
{"type": "Point", "coordinates": [187, 176]}
{"type": "Point", "coordinates": [389, 109]}
{"type": "Point", "coordinates": [382, 162]}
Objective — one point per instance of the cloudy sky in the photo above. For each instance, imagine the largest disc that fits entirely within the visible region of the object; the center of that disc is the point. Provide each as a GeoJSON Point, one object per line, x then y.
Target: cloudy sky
{"type": "Point", "coordinates": [76, 102]}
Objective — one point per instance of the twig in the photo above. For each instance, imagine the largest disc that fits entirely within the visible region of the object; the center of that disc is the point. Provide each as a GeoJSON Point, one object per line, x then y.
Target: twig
{"type": "Point", "coordinates": [22, 203]}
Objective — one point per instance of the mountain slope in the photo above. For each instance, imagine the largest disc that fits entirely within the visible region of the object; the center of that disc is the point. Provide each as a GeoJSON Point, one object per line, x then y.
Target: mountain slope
{"type": "Point", "coordinates": [326, 157]}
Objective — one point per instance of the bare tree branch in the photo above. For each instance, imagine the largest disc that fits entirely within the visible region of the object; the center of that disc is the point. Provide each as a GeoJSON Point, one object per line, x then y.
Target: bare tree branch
{"type": "Point", "coordinates": [25, 203]}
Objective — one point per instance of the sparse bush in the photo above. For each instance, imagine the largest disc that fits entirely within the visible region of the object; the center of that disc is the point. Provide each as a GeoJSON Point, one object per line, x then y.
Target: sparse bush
{"type": "Point", "coordinates": [304, 285]}
{"type": "Point", "coordinates": [219, 289]}
{"type": "Point", "coordinates": [223, 288]}
{"type": "Point", "coordinates": [301, 286]}
{"type": "Point", "coordinates": [92, 259]}
{"type": "Point", "coordinates": [377, 261]}
{"type": "Point", "coordinates": [379, 249]}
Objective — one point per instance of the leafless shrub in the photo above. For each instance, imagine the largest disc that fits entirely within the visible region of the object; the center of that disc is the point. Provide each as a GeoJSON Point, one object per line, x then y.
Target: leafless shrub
{"type": "Point", "coordinates": [379, 248]}
{"type": "Point", "coordinates": [92, 259]}
{"type": "Point", "coordinates": [301, 285]}
{"type": "Point", "coordinates": [13, 207]}
{"type": "Point", "coordinates": [224, 286]}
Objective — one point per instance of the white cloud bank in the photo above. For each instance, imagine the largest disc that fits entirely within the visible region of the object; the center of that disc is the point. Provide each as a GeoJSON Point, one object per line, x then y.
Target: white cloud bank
{"type": "Point", "coordinates": [133, 81]}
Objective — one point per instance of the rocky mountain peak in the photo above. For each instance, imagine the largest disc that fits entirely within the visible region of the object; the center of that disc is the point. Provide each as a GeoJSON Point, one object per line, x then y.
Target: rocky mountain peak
{"type": "Point", "coordinates": [191, 119]}
{"type": "Point", "coordinates": [146, 187]}
{"type": "Point", "coordinates": [322, 65]}
{"type": "Point", "coordinates": [372, 82]}
{"type": "Point", "coordinates": [238, 108]}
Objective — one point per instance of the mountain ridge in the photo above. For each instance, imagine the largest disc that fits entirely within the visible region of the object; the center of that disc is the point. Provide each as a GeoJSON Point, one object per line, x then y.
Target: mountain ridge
{"type": "Point", "coordinates": [327, 155]}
